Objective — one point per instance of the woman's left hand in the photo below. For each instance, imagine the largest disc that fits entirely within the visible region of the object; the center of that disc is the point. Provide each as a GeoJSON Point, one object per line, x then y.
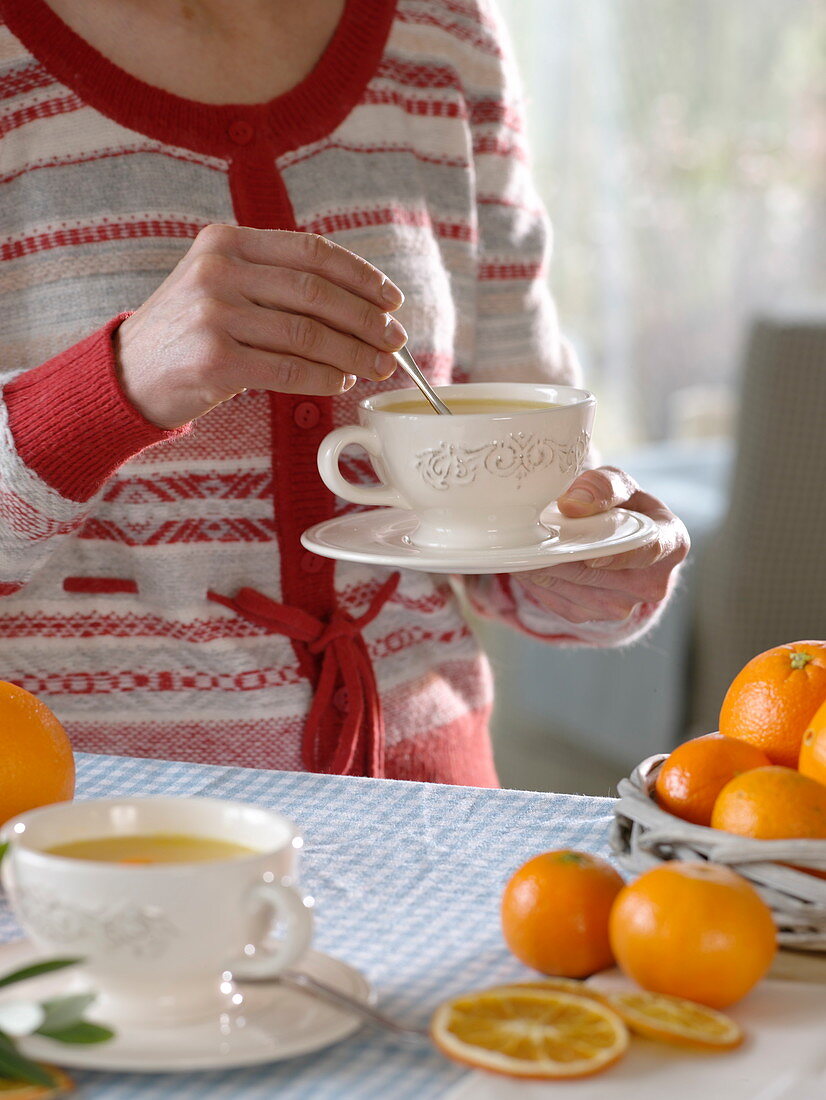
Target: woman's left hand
{"type": "Point", "coordinates": [610, 589]}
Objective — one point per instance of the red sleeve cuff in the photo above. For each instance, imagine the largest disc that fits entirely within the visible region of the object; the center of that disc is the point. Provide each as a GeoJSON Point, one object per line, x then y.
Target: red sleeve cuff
{"type": "Point", "coordinates": [70, 420]}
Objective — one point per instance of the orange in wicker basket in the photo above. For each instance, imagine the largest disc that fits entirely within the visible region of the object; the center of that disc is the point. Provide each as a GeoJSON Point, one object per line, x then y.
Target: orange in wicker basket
{"type": "Point", "coordinates": [690, 779]}
{"type": "Point", "coordinates": [772, 804]}
{"type": "Point", "coordinates": [813, 750]}
{"type": "Point", "coordinates": [772, 699]}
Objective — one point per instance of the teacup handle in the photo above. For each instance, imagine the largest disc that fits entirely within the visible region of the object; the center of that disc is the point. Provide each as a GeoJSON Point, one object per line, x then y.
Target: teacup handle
{"type": "Point", "coordinates": [328, 458]}
{"type": "Point", "coordinates": [286, 906]}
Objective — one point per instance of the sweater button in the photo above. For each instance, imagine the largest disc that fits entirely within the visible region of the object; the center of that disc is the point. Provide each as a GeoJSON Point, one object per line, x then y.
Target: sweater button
{"type": "Point", "coordinates": [311, 563]}
{"type": "Point", "coordinates": [240, 132]}
{"type": "Point", "coordinates": [306, 414]}
{"type": "Point", "coordinates": [341, 699]}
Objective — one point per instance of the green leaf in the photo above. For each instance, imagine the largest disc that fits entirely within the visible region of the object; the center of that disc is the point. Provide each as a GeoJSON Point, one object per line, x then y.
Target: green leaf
{"type": "Point", "coordinates": [81, 1032]}
{"type": "Point", "coordinates": [37, 968]}
{"type": "Point", "coordinates": [3, 849]}
{"type": "Point", "coordinates": [62, 1012]}
{"type": "Point", "coordinates": [16, 1067]}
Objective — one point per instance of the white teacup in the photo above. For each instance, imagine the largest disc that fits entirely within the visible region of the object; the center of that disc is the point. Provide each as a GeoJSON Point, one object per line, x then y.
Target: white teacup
{"type": "Point", "coordinates": [158, 939]}
{"type": "Point", "coordinates": [477, 479]}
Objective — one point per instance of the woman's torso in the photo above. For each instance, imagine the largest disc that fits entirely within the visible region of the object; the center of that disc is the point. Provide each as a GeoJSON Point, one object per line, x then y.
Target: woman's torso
{"type": "Point", "coordinates": [95, 211]}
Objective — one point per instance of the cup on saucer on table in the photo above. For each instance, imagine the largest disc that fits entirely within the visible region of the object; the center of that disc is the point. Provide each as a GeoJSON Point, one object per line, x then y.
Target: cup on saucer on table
{"type": "Point", "coordinates": [478, 479]}
{"type": "Point", "coordinates": [159, 939]}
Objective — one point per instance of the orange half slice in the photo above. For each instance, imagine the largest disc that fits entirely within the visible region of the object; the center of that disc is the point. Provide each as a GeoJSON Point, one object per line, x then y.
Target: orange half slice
{"type": "Point", "coordinates": [530, 1032]}
{"type": "Point", "coordinates": [674, 1020]}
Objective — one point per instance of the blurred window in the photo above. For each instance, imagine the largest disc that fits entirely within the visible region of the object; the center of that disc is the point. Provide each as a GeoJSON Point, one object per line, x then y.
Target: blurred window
{"type": "Point", "coordinates": [680, 147]}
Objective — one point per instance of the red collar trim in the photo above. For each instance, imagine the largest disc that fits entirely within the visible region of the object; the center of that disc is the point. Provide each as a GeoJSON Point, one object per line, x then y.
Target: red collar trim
{"type": "Point", "coordinates": [304, 114]}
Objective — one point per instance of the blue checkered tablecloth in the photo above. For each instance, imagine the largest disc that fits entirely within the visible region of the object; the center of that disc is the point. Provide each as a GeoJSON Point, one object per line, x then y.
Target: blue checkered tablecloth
{"type": "Point", "coordinates": [407, 879]}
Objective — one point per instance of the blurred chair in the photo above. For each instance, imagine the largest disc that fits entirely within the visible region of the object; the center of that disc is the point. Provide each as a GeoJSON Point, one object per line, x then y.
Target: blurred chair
{"type": "Point", "coordinates": [576, 719]}
{"type": "Point", "coordinates": [761, 577]}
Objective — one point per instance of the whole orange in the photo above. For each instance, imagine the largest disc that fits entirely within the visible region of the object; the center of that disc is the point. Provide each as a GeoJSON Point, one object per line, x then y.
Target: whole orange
{"type": "Point", "coordinates": [772, 699]}
{"type": "Point", "coordinates": [695, 930]}
{"type": "Point", "coordinates": [770, 804]}
{"type": "Point", "coordinates": [812, 759]}
{"type": "Point", "coordinates": [555, 912]}
{"type": "Point", "coordinates": [690, 779]}
{"type": "Point", "coordinates": [36, 762]}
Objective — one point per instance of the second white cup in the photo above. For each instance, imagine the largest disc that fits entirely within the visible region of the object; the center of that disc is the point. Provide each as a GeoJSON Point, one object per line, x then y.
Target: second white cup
{"type": "Point", "coordinates": [158, 939]}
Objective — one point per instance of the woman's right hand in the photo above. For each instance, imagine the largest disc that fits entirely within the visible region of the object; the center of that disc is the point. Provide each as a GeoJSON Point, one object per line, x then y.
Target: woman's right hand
{"type": "Point", "coordinates": [256, 309]}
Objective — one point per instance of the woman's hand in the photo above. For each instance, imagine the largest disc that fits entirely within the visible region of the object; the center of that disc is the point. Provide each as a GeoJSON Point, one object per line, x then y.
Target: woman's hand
{"type": "Point", "coordinates": [256, 309]}
{"type": "Point", "coordinates": [610, 589]}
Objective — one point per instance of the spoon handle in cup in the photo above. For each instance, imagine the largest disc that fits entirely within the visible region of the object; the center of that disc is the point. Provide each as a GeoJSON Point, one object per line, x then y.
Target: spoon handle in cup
{"type": "Point", "coordinates": [412, 369]}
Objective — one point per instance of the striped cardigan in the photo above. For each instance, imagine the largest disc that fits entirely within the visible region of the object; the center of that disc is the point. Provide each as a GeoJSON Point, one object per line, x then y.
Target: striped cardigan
{"type": "Point", "coordinates": [154, 590]}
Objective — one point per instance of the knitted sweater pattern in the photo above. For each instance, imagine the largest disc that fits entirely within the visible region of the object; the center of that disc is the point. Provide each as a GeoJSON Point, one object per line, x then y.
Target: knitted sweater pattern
{"type": "Point", "coordinates": [404, 145]}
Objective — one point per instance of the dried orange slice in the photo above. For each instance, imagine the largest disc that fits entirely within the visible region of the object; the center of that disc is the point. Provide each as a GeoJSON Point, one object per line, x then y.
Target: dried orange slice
{"type": "Point", "coordinates": [675, 1020]}
{"type": "Point", "coordinates": [529, 1032]}
{"type": "Point", "coordinates": [19, 1090]}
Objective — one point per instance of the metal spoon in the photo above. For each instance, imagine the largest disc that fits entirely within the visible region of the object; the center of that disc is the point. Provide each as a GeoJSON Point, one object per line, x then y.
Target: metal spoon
{"type": "Point", "coordinates": [411, 367]}
{"type": "Point", "coordinates": [303, 983]}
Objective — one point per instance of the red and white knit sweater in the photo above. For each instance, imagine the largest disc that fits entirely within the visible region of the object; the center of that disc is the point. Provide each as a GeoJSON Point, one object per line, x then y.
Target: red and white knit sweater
{"type": "Point", "coordinates": [405, 146]}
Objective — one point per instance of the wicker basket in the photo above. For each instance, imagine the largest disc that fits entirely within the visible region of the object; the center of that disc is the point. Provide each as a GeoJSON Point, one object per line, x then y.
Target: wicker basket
{"type": "Point", "coordinates": [643, 836]}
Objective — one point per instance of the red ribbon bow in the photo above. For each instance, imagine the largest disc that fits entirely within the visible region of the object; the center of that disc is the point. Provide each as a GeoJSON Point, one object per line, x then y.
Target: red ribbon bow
{"type": "Point", "coordinates": [326, 746]}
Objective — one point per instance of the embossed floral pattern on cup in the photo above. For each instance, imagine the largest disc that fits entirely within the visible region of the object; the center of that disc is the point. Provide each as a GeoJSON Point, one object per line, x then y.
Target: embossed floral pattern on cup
{"type": "Point", "coordinates": [140, 930]}
{"type": "Point", "coordinates": [520, 454]}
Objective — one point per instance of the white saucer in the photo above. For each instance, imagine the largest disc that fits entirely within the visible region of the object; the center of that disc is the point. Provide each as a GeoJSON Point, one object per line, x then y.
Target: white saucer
{"type": "Point", "coordinates": [272, 1023]}
{"type": "Point", "coordinates": [382, 537]}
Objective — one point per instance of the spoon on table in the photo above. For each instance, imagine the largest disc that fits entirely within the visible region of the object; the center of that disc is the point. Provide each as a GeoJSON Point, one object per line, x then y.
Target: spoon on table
{"type": "Point", "coordinates": [411, 367]}
{"type": "Point", "coordinates": [303, 983]}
